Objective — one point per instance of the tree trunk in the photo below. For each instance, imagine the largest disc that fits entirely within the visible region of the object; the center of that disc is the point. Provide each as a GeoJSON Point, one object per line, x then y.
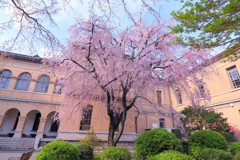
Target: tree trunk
{"type": "Point", "coordinates": [112, 138]}
{"type": "Point", "coordinates": [121, 126]}
{"type": "Point", "coordinates": [111, 132]}
{"type": "Point", "coordinates": [117, 121]}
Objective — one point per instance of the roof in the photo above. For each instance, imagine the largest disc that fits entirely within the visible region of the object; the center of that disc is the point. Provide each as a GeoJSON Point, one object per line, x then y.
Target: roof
{"type": "Point", "coordinates": [224, 55]}
{"type": "Point", "coordinates": [37, 59]}
{"type": "Point", "coordinates": [22, 57]}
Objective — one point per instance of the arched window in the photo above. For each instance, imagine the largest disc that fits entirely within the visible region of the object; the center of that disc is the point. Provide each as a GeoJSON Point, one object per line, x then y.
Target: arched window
{"type": "Point", "coordinates": [58, 87]}
{"type": "Point", "coordinates": [23, 82]}
{"type": "Point", "coordinates": [36, 122]}
{"type": "Point", "coordinates": [201, 88]}
{"type": "Point", "coordinates": [178, 96]}
{"type": "Point", "coordinates": [16, 121]}
{"type": "Point", "coordinates": [159, 98]}
{"type": "Point", "coordinates": [5, 77]}
{"type": "Point", "coordinates": [162, 123]}
{"type": "Point", "coordinates": [54, 126]}
{"type": "Point", "coordinates": [42, 84]}
{"type": "Point", "coordinates": [87, 117]}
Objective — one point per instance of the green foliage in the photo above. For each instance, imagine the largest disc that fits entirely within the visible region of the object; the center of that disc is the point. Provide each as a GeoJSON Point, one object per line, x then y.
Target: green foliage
{"type": "Point", "coordinates": [215, 22]}
{"type": "Point", "coordinates": [195, 152]}
{"type": "Point", "coordinates": [155, 141]}
{"type": "Point", "coordinates": [230, 136]}
{"type": "Point", "coordinates": [134, 156]}
{"type": "Point", "coordinates": [177, 133]}
{"type": "Point", "coordinates": [237, 156]}
{"type": "Point", "coordinates": [171, 155]}
{"type": "Point", "coordinates": [85, 151]}
{"type": "Point", "coordinates": [199, 118]}
{"type": "Point", "coordinates": [91, 139]}
{"type": "Point", "coordinates": [58, 150]}
{"type": "Point", "coordinates": [116, 153]}
{"type": "Point", "coordinates": [207, 139]}
{"type": "Point", "coordinates": [97, 157]}
{"type": "Point", "coordinates": [235, 147]}
{"type": "Point", "coordinates": [215, 154]}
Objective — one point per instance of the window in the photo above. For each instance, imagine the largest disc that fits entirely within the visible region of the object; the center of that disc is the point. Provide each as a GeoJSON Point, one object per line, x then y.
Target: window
{"type": "Point", "coordinates": [36, 122]}
{"type": "Point", "coordinates": [16, 121]}
{"type": "Point", "coordinates": [54, 126]}
{"type": "Point", "coordinates": [86, 120]}
{"type": "Point", "coordinates": [42, 84]}
{"type": "Point", "coordinates": [5, 77]}
{"type": "Point", "coordinates": [23, 82]}
{"type": "Point", "coordinates": [178, 96]}
{"type": "Point", "coordinates": [159, 98]}
{"type": "Point", "coordinates": [201, 89]}
{"type": "Point", "coordinates": [58, 87]}
{"type": "Point", "coordinates": [162, 123]}
{"type": "Point", "coordinates": [234, 76]}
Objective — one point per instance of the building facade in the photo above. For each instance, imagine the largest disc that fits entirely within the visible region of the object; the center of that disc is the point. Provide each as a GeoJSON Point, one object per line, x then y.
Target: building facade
{"type": "Point", "coordinates": [222, 84]}
{"type": "Point", "coordinates": [29, 99]}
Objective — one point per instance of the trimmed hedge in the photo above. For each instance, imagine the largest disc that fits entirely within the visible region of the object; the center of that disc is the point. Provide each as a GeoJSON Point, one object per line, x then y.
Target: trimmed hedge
{"type": "Point", "coordinates": [207, 139]}
{"type": "Point", "coordinates": [171, 155]}
{"type": "Point", "coordinates": [85, 151]}
{"type": "Point", "coordinates": [116, 153]}
{"type": "Point", "coordinates": [58, 150]}
{"type": "Point", "coordinates": [235, 147]}
{"type": "Point", "coordinates": [215, 154]}
{"type": "Point", "coordinates": [155, 141]}
{"type": "Point", "coordinates": [195, 152]}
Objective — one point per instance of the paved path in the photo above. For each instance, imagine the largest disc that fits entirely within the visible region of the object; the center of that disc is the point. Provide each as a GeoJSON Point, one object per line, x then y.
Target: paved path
{"type": "Point", "coordinates": [4, 155]}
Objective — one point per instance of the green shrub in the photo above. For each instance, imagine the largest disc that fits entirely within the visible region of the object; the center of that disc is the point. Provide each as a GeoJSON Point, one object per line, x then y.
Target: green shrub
{"type": "Point", "coordinates": [215, 154]}
{"type": "Point", "coordinates": [116, 153]}
{"type": "Point", "coordinates": [85, 151]}
{"type": "Point", "coordinates": [155, 141]}
{"type": "Point", "coordinates": [58, 150]}
{"type": "Point", "coordinates": [97, 157]}
{"type": "Point", "coordinates": [235, 147]}
{"type": "Point", "coordinates": [195, 152]}
{"type": "Point", "coordinates": [237, 156]}
{"type": "Point", "coordinates": [170, 155]}
{"type": "Point", "coordinates": [229, 136]}
{"type": "Point", "coordinates": [134, 156]}
{"type": "Point", "coordinates": [207, 139]}
{"type": "Point", "coordinates": [95, 143]}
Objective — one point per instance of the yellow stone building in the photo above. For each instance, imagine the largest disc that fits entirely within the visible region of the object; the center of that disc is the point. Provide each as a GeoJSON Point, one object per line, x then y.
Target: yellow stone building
{"type": "Point", "coordinates": [223, 84]}
{"type": "Point", "coordinates": [28, 101]}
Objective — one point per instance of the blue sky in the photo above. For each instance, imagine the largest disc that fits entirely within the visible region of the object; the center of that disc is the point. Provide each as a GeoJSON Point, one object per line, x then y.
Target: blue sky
{"type": "Point", "coordinates": [67, 17]}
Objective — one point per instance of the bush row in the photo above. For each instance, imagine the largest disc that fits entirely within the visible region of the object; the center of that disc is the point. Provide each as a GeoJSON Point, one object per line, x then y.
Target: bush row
{"type": "Point", "coordinates": [156, 144]}
{"type": "Point", "coordinates": [62, 150]}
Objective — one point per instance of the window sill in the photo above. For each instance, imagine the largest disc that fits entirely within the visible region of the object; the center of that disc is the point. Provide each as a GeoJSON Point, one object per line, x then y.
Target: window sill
{"type": "Point", "coordinates": [32, 92]}
{"type": "Point", "coordinates": [235, 89]}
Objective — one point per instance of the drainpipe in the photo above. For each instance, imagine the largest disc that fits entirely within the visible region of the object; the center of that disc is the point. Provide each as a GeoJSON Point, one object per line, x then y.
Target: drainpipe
{"type": "Point", "coordinates": [170, 100]}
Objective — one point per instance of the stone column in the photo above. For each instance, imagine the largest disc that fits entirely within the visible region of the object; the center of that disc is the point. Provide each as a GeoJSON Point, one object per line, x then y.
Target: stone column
{"type": "Point", "coordinates": [20, 127]}
{"type": "Point", "coordinates": [12, 83]}
{"type": "Point", "coordinates": [41, 127]}
{"type": "Point", "coordinates": [32, 86]}
{"type": "Point", "coordinates": [1, 121]}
